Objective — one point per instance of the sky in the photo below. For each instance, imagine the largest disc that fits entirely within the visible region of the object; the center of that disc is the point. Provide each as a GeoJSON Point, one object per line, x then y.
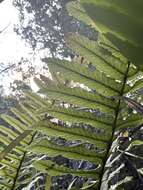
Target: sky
{"type": "Point", "coordinates": [12, 47]}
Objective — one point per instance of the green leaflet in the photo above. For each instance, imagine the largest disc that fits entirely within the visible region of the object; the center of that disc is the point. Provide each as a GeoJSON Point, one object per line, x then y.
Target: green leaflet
{"type": "Point", "coordinates": [14, 122]}
{"type": "Point", "coordinates": [14, 143]}
{"type": "Point", "coordinates": [120, 23]}
{"type": "Point", "coordinates": [19, 128]}
{"type": "Point", "coordinates": [55, 170]}
{"type": "Point", "coordinates": [7, 131]}
{"type": "Point", "coordinates": [116, 54]}
{"type": "Point", "coordinates": [98, 56]}
{"type": "Point", "coordinates": [106, 44]}
{"type": "Point", "coordinates": [7, 164]}
{"type": "Point", "coordinates": [4, 140]}
{"type": "Point", "coordinates": [80, 73]}
{"type": "Point", "coordinates": [5, 174]}
{"type": "Point", "coordinates": [131, 121]}
{"type": "Point", "coordinates": [23, 117]}
{"type": "Point", "coordinates": [77, 152]}
{"type": "Point", "coordinates": [137, 86]}
{"type": "Point", "coordinates": [13, 157]}
{"type": "Point", "coordinates": [76, 96]}
{"type": "Point", "coordinates": [77, 116]}
{"type": "Point", "coordinates": [11, 134]}
{"type": "Point", "coordinates": [134, 78]}
{"type": "Point", "coordinates": [38, 101]}
{"type": "Point", "coordinates": [78, 12]}
{"type": "Point", "coordinates": [74, 133]}
{"type": "Point", "coordinates": [4, 185]}
{"type": "Point", "coordinates": [137, 143]}
{"type": "Point", "coordinates": [29, 111]}
{"type": "Point", "coordinates": [130, 117]}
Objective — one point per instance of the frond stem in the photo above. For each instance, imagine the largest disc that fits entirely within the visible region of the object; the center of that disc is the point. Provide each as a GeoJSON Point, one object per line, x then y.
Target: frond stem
{"type": "Point", "coordinates": [20, 164]}
{"type": "Point", "coordinates": [114, 123]}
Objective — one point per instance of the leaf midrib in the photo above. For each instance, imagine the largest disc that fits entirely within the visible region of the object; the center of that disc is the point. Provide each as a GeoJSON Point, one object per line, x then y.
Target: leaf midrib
{"type": "Point", "coordinates": [69, 151]}
{"type": "Point", "coordinates": [114, 123]}
{"type": "Point", "coordinates": [80, 135]}
{"type": "Point", "coordinates": [20, 164]}
{"type": "Point", "coordinates": [73, 115]}
{"type": "Point", "coordinates": [81, 97]}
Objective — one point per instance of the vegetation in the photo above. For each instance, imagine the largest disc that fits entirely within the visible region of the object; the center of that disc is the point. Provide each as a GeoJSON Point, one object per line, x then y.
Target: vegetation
{"type": "Point", "coordinates": [93, 102]}
{"type": "Point", "coordinates": [121, 23]}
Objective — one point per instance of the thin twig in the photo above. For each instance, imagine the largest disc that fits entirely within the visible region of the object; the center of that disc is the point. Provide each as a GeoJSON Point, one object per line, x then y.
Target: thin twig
{"type": "Point", "coordinates": [7, 68]}
{"type": "Point", "coordinates": [5, 28]}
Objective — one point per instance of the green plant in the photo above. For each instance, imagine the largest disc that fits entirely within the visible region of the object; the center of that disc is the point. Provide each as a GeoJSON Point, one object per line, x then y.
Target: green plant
{"type": "Point", "coordinates": [85, 103]}
{"type": "Point", "coordinates": [15, 166]}
{"type": "Point", "coordinates": [120, 22]}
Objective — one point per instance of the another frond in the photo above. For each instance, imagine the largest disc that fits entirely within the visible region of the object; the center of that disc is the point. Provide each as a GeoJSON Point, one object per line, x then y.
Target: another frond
{"type": "Point", "coordinates": [120, 22]}
{"type": "Point", "coordinates": [14, 137]}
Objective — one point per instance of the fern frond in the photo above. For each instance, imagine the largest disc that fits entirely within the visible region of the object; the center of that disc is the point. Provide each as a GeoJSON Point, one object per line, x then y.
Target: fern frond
{"type": "Point", "coordinates": [108, 122]}
{"type": "Point", "coordinates": [121, 24]}
{"type": "Point", "coordinates": [14, 138]}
